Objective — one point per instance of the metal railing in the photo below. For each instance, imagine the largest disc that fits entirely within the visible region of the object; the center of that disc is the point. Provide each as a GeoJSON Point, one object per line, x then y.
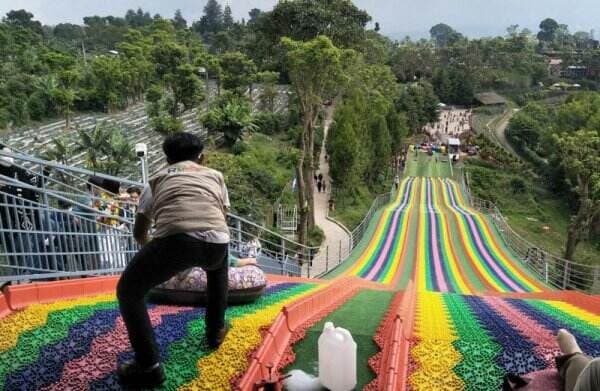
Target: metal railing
{"type": "Point", "coordinates": [552, 269]}
{"type": "Point", "coordinates": [359, 231]}
{"type": "Point", "coordinates": [53, 228]}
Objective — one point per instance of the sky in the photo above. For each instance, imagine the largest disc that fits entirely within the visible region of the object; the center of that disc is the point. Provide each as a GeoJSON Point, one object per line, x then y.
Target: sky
{"type": "Point", "coordinates": [474, 18]}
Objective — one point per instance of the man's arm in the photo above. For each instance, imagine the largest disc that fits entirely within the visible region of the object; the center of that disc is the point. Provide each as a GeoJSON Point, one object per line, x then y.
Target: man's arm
{"type": "Point", "coordinates": [140, 229]}
{"type": "Point", "coordinates": [143, 219]}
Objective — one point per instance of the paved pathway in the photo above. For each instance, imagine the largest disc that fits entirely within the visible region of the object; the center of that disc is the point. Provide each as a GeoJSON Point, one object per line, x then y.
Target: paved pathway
{"type": "Point", "coordinates": [329, 254]}
{"type": "Point", "coordinates": [500, 131]}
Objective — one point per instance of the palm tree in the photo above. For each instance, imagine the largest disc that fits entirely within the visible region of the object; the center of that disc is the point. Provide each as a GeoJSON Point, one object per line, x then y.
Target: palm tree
{"type": "Point", "coordinates": [119, 152]}
{"type": "Point", "coordinates": [233, 119]}
{"type": "Point", "coordinates": [60, 152]}
{"type": "Point", "coordinates": [93, 144]}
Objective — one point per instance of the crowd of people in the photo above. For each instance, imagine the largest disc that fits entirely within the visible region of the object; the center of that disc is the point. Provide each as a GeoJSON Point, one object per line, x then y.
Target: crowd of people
{"type": "Point", "coordinates": [451, 123]}
{"type": "Point", "coordinates": [39, 233]}
{"type": "Point", "coordinates": [320, 183]}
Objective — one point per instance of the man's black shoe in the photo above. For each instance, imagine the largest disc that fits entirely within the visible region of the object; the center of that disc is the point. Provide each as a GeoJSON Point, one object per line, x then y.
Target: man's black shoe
{"type": "Point", "coordinates": [215, 339]}
{"type": "Point", "coordinates": [132, 375]}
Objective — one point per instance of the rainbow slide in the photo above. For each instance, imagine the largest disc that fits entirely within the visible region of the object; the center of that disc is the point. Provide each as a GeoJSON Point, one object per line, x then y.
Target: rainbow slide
{"type": "Point", "coordinates": [430, 234]}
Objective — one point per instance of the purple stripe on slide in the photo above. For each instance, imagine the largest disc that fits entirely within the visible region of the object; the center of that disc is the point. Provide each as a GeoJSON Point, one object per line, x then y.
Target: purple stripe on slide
{"type": "Point", "coordinates": [391, 234]}
{"type": "Point", "coordinates": [482, 250]}
{"type": "Point", "coordinates": [439, 274]}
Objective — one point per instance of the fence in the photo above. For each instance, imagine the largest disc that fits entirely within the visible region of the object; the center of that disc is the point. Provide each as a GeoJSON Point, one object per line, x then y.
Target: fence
{"type": "Point", "coordinates": [359, 232]}
{"type": "Point", "coordinates": [331, 258]}
{"type": "Point", "coordinates": [52, 226]}
{"type": "Point", "coordinates": [555, 271]}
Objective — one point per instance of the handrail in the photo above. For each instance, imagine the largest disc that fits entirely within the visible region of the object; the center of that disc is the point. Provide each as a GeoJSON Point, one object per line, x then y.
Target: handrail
{"type": "Point", "coordinates": [285, 255]}
{"type": "Point", "coordinates": [553, 269]}
{"type": "Point", "coordinates": [358, 232]}
{"type": "Point", "coordinates": [59, 166]}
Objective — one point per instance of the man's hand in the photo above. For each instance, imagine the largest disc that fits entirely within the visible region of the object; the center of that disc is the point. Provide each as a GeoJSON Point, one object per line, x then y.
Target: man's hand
{"type": "Point", "coordinates": [141, 228]}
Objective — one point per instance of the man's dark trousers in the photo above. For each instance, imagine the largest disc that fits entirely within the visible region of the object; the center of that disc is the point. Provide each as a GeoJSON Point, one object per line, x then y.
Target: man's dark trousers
{"type": "Point", "coordinates": [154, 264]}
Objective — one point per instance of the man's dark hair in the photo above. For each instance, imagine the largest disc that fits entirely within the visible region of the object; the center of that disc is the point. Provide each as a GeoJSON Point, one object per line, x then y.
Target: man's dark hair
{"type": "Point", "coordinates": [182, 146]}
{"type": "Point", "coordinates": [134, 189]}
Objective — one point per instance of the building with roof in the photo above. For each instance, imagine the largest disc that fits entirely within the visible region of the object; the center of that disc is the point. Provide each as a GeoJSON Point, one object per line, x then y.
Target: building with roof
{"type": "Point", "coordinates": [490, 99]}
{"type": "Point", "coordinates": [555, 67]}
{"type": "Point", "coordinates": [575, 72]}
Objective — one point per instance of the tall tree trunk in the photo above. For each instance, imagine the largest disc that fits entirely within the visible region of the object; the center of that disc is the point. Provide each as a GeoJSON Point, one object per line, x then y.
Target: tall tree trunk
{"type": "Point", "coordinates": [67, 120]}
{"type": "Point", "coordinates": [573, 238]}
{"type": "Point", "coordinates": [302, 201]}
{"type": "Point", "coordinates": [310, 167]}
{"type": "Point", "coordinates": [580, 223]}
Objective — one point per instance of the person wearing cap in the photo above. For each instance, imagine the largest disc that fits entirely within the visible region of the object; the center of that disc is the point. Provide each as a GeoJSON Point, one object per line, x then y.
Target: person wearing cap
{"type": "Point", "coordinates": [187, 203]}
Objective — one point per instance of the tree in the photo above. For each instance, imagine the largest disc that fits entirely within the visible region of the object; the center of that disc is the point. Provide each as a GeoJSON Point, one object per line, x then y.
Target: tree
{"type": "Point", "coordinates": [316, 72]}
{"type": "Point", "coordinates": [580, 157]}
{"type": "Point", "coordinates": [108, 79]}
{"type": "Point", "coordinates": [138, 18]}
{"type": "Point", "coordinates": [105, 147]}
{"type": "Point", "coordinates": [135, 52]}
{"type": "Point", "coordinates": [24, 19]}
{"type": "Point", "coordinates": [227, 18]}
{"type": "Point", "coordinates": [238, 71]}
{"type": "Point", "coordinates": [419, 102]}
{"type": "Point", "coordinates": [304, 20]}
{"type": "Point", "coordinates": [64, 95]}
{"type": "Point", "coordinates": [93, 144]}
{"type": "Point", "coordinates": [187, 88]}
{"type": "Point", "coordinates": [382, 152]}
{"type": "Point", "coordinates": [68, 32]}
{"type": "Point", "coordinates": [268, 90]}
{"type": "Point", "coordinates": [582, 39]}
{"type": "Point", "coordinates": [119, 153]}
{"type": "Point", "coordinates": [548, 29]}
{"type": "Point", "coordinates": [444, 35]}
{"type": "Point", "coordinates": [343, 147]}
{"type": "Point", "coordinates": [212, 20]}
{"type": "Point", "coordinates": [178, 21]}
{"type": "Point", "coordinates": [178, 83]}
{"type": "Point", "coordinates": [59, 152]}
{"type": "Point", "coordinates": [254, 14]}
{"type": "Point", "coordinates": [398, 127]}
{"type": "Point", "coordinates": [233, 119]}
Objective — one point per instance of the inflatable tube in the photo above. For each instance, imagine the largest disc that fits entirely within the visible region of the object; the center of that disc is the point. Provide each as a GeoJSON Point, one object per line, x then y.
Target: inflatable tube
{"type": "Point", "coordinates": [246, 284]}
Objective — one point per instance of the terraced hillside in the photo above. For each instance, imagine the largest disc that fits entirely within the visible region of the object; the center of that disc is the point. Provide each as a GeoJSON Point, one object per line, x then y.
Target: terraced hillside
{"type": "Point", "coordinates": [135, 123]}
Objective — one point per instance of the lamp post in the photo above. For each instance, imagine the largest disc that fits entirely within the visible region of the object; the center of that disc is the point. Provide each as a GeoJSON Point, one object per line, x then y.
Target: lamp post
{"type": "Point", "coordinates": [204, 71]}
{"type": "Point", "coordinates": [141, 151]}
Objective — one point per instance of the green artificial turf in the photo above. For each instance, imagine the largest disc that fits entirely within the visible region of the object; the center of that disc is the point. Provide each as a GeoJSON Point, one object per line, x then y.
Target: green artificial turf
{"type": "Point", "coordinates": [426, 166]}
{"type": "Point", "coordinates": [361, 315]}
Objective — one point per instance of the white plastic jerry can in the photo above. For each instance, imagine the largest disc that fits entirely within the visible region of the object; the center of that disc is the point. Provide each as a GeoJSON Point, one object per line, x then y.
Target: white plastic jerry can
{"type": "Point", "coordinates": [337, 358]}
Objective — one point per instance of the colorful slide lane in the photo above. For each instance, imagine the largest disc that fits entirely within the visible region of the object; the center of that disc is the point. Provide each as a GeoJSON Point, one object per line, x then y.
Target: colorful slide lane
{"type": "Point", "coordinates": [429, 233]}
{"type": "Point", "coordinates": [76, 344]}
{"type": "Point", "coordinates": [471, 342]}
{"type": "Point", "coordinates": [380, 260]}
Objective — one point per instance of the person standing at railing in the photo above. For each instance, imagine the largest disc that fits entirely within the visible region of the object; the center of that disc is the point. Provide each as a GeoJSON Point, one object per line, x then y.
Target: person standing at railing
{"type": "Point", "coordinates": [19, 217]}
{"type": "Point", "coordinates": [188, 204]}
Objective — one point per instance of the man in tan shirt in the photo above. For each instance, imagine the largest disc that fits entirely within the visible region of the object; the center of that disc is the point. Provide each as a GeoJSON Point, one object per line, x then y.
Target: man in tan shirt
{"type": "Point", "coordinates": [187, 203]}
